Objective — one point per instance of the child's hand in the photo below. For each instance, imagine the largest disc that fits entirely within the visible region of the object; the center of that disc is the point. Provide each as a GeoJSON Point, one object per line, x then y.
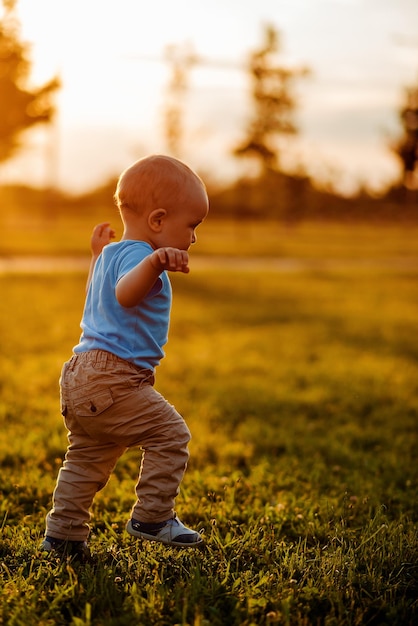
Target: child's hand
{"type": "Point", "coordinates": [170, 259]}
{"type": "Point", "coordinates": [101, 236]}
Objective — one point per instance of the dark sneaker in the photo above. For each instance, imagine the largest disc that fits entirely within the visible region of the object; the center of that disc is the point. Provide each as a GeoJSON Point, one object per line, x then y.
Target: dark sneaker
{"type": "Point", "coordinates": [78, 550]}
{"type": "Point", "coordinates": [172, 533]}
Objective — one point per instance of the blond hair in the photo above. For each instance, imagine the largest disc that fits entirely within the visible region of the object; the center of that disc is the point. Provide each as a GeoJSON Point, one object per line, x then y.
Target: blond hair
{"type": "Point", "coordinates": [152, 182]}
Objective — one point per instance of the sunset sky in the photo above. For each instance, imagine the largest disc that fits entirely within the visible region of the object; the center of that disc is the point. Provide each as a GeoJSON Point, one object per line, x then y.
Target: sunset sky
{"type": "Point", "coordinates": [110, 57]}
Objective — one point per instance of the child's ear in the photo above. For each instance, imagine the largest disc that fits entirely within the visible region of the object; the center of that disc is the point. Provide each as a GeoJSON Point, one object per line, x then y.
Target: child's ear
{"type": "Point", "coordinates": [156, 218]}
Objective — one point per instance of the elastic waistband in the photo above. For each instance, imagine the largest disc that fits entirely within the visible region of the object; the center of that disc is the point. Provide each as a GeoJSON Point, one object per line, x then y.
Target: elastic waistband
{"type": "Point", "coordinates": [102, 359]}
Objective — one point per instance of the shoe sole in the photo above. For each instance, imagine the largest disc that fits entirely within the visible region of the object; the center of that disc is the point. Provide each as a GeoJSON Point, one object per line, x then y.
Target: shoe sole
{"type": "Point", "coordinates": [167, 542]}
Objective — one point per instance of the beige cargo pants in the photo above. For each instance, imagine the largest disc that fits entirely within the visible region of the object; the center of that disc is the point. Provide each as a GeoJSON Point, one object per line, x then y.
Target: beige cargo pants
{"type": "Point", "coordinates": [110, 405]}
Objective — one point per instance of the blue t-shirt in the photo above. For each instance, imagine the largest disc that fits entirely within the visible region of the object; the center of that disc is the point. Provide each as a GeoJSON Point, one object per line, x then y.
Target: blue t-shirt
{"type": "Point", "coordinates": [136, 334]}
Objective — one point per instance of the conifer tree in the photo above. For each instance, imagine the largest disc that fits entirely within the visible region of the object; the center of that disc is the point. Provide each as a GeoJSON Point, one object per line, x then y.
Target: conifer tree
{"type": "Point", "coordinates": [273, 103]}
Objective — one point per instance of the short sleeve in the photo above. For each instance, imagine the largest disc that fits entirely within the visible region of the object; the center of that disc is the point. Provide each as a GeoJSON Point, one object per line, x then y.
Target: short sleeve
{"type": "Point", "coordinates": [129, 257]}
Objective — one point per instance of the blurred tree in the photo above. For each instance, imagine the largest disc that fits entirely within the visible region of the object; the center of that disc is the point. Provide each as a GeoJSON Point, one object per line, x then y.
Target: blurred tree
{"type": "Point", "coordinates": [273, 103]}
{"type": "Point", "coordinates": [407, 147]}
{"type": "Point", "coordinates": [181, 59]}
{"type": "Point", "coordinates": [20, 108]}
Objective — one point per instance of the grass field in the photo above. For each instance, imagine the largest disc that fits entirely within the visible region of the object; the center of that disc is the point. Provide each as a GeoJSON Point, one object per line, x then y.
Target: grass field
{"type": "Point", "coordinates": [67, 235]}
{"type": "Point", "coordinates": [301, 393]}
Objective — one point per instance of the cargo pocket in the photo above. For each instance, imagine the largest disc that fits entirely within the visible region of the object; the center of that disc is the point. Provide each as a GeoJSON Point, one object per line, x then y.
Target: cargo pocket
{"type": "Point", "coordinates": [91, 406]}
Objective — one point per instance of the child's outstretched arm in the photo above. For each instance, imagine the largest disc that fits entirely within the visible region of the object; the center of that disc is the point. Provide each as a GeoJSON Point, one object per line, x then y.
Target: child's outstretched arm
{"type": "Point", "coordinates": [138, 282]}
{"type": "Point", "coordinates": [102, 235]}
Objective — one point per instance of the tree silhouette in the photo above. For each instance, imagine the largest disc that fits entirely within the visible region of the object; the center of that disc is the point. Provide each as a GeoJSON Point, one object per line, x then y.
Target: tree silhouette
{"type": "Point", "coordinates": [407, 147]}
{"type": "Point", "coordinates": [273, 103]}
{"type": "Point", "coordinates": [20, 108]}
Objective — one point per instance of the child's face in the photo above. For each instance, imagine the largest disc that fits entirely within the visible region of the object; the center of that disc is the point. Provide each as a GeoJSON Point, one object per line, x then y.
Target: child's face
{"type": "Point", "coordinates": [179, 225]}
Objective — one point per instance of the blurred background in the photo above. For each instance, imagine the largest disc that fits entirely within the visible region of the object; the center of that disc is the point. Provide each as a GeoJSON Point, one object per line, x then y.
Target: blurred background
{"type": "Point", "coordinates": [296, 335]}
{"type": "Point", "coordinates": [292, 110]}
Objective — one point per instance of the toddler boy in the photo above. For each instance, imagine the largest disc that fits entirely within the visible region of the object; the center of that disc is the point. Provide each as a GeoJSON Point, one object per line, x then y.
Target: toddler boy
{"type": "Point", "coordinates": [108, 400]}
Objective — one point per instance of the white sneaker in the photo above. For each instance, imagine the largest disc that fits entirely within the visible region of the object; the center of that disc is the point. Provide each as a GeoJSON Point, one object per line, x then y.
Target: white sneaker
{"type": "Point", "coordinates": [172, 533]}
